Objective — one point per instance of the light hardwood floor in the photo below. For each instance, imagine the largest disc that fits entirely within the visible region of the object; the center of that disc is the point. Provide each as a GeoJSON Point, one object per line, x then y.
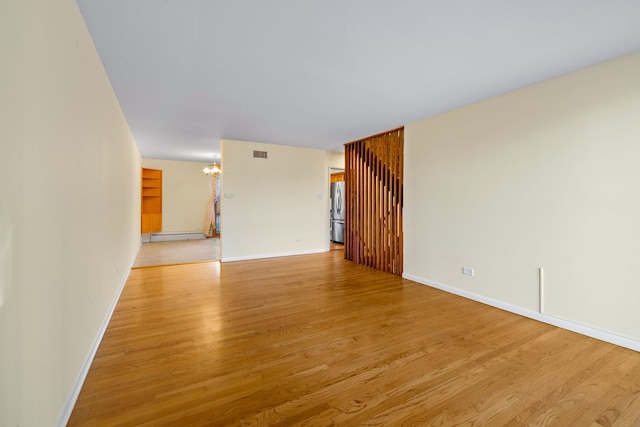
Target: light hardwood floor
{"type": "Point", "coordinates": [178, 252]}
{"type": "Point", "coordinates": [316, 340]}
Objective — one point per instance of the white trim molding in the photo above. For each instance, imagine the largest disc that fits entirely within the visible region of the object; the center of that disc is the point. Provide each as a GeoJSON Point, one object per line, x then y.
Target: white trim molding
{"type": "Point", "coordinates": [170, 237]}
{"type": "Point", "coordinates": [532, 314]}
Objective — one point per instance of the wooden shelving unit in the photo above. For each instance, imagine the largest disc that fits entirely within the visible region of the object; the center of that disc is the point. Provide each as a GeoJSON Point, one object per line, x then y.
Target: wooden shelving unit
{"type": "Point", "coordinates": [151, 210]}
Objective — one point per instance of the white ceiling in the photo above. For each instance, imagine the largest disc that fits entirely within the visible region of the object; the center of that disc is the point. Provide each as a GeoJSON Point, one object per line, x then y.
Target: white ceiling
{"type": "Point", "coordinates": [320, 73]}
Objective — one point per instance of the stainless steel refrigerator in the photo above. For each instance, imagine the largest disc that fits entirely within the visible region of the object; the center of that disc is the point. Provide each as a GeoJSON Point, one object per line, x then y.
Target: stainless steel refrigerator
{"type": "Point", "coordinates": [337, 211]}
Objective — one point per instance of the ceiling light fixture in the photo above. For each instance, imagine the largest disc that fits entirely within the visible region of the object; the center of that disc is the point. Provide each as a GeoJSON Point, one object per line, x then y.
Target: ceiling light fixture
{"type": "Point", "coordinates": [211, 169]}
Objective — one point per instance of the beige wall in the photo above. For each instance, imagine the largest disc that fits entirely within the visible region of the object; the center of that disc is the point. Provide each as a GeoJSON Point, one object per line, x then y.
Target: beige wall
{"type": "Point", "coordinates": [274, 206]}
{"type": "Point", "coordinates": [546, 176]}
{"type": "Point", "coordinates": [186, 191]}
{"type": "Point", "coordinates": [69, 206]}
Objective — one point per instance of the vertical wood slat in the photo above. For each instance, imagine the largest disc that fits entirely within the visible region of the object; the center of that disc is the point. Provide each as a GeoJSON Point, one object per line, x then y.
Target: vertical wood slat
{"type": "Point", "coordinates": [365, 211]}
{"type": "Point", "coordinates": [384, 217]}
{"type": "Point", "coordinates": [351, 194]}
{"type": "Point", "coordinates": [401, 198]}
{"type": "Point", "coordinates": [369, 210]}
{"type": "Point", "coordinates": [365, 207]}
{"type": "Point", "coordinates": [374, 185]}
{"type": "Point", "coordinates": [377, 209]}
{"type": "Point", "coordinates": [347, 191]}
{"type": "Point", "coordinates": [357, 219]}
{"type": "Point", "coordinates": [391, 183]}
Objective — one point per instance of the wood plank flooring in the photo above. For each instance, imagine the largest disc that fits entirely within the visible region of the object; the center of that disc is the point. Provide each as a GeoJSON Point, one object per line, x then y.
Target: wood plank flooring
{"type": "Point", "coordinates": [178, 252]}
{"type": "Point", "coordinates": [316, 340]}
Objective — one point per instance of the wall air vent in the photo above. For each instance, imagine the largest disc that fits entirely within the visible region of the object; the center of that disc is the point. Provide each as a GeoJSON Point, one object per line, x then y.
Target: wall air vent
{"type": "Point", "coordinates": [260, 154]}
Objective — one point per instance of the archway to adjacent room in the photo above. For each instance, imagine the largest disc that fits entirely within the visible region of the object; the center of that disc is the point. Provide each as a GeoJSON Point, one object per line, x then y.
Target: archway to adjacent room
{"type": "Point", "coordinates": [180, 213]}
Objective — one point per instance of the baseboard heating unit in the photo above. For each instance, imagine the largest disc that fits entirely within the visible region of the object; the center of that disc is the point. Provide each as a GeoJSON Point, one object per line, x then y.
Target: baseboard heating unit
{"type": "Point", "coordinates": [168, 237]}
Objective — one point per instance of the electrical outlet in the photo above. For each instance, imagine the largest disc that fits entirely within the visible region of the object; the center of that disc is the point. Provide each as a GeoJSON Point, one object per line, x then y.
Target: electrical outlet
{"type": "Point", "coordinates": [468, 271]}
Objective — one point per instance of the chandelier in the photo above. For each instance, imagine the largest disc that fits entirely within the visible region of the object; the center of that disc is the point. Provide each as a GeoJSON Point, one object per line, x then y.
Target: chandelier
{"type": "Point", "coordinates": [211, 169]}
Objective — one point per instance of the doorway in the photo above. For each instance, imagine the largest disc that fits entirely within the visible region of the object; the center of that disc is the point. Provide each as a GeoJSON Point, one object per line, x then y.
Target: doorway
{"type": "Point", "coordinates": [336, 208]}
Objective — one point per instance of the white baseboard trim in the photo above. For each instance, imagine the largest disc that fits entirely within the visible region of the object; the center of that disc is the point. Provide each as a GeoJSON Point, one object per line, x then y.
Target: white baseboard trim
{"type": "Point", "coordinates": [272, 255]}
{"type": "Point", "coordinates": [175, 236]}
{"type": "Point", "coordinates": [63, 419]}
{"type": "Point", "coordinates": [532, 314]}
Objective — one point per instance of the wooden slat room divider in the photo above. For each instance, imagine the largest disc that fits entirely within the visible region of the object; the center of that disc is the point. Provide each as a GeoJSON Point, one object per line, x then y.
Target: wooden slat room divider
{"type": "Point", "coordinates": [373, 187]}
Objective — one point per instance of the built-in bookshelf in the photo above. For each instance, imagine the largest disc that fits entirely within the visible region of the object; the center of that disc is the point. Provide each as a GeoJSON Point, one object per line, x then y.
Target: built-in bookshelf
{"type": "Point", "coordinates": [151, 209]}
